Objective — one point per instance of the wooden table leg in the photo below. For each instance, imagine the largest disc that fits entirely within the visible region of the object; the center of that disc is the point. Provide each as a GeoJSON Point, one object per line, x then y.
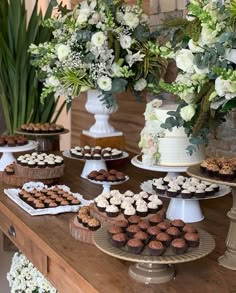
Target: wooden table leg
{"type": "Point", "coordinates": [228, 260]}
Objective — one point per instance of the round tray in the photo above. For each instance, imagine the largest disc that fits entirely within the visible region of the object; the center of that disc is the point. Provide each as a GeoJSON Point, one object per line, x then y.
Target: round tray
{"type": "Point", "coordinates": [206, 246]}
{"type": "Point", "coordinates": [19, 131]}
{"type": "Point", "coordinates": [147, 187]}
{"type": "Point", "coordinates": [196, 172]}
{"type": "Point", "coordinates": [107, 185]}
{"type": "Point", "coordinates": [174, 169]}
{"type": "Point", "coordinates": [29, 146]}
{"type": "Point", "coordinates": [67, 154]}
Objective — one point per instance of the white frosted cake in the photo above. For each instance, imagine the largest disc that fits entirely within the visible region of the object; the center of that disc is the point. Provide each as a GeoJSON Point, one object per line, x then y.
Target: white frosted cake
{"type": "Point", "coordinates": [162, 147]}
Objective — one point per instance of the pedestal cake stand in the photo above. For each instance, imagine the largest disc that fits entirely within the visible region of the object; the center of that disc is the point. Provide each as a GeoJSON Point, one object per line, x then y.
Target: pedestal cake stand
{"type": "Point", "coordinates": [8, 157]}
{"type": "Point", "coordinates": [188, 211]}
{"type": "Point", "coordinates": [107, 185]}
{"type": "Point", "coordinates": [44, 144]}
{"type": "Point", "coordinates": [153, 269]}
{"type": "Point", "coordinates": [185, 209]}
{"type": "Point", "coordinates": [228, 260]}
{"type": "Point", "coordinates": [91, 165]}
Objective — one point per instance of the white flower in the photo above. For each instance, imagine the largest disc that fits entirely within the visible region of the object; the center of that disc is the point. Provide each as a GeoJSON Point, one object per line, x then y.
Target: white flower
{"type": "Point", "coordinates": [131, 20]}
{"type": "Point", "coordinates": [132, 58]}
{"type": "Point", "coordinates": [95, 18]}
{"type": "Point", "coordinates": [125, 41]}
{"type": "Point", "coordinates": [119, 16]}
{"type": "Point", "coordinates": [194, 47]}
{"type": "Point", "coordinates": [52, 81]}
{"type": "Point", "coordinates": [187, 112]}
{"type": "Point", "coordinates": [62, 51]}
{"type": "Point", "coordinates": [225, 88]}
{"type": "Point", "coordinates": [116, 69]}
{"type": "Point", "coordinates": [104, 83]}
{"type": "Point", "coordinates": [98, 39]}
{"type": "Point", "coordinates": [201, 71]}
{"type": "Point", "coordinates": [140, 84]}
{"type": "Point", "coordinates": [207, 36]}
{"type": "Point", "coordinates": [82, 18]}
{"type": "Point", "coordinates": [184, 60]}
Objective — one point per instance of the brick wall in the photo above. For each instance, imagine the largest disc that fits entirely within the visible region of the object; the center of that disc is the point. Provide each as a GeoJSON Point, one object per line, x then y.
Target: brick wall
{"type": "Point", "coordinates": [225, 144]}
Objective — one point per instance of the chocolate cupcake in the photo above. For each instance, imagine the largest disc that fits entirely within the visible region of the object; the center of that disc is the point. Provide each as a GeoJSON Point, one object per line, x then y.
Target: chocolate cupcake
{"type": "Point", "coordinates": [173, 232]}
{"type": "Point", "coordinates": [188, 228]}
{"type": "Point", "coordinates": [119, 240]}
{"type": "Point", "coordinates": [114, 230]}
{"type": "Point", "coordinates": [75, 201]}
{"type": "Point", "coordinates": [179, 246]}
{"type": "Point", "coordinates": [200, 193]}
{"type": "Point", "coordinates": [186, 194]}
{"type": "Point", "coordinates": [134, 220]}
{"type": "Point", "coordinates": [212, 170]}
{"type": "Point", "coordinates": [171, 192]}
{"type": "Point", "coordinates": [178, 223]}
{"type": "Point", "coordinates": [164, 238]}
{"type": "Point", "coordinates": [144, 225]}
{"type": "Point", "coordinates": [163, 226]}
{"type": "Point", "coordinates": [156, 248]}
{"type": "Point", "coordinates": [153, 231]}
{"type": "Point", "coordinates": [122, 224]}
{"type": "Point", "coordinates": [120, 176]}
{"type": "Point", "coordinates": [192, 239]}
{"type": "Point", "coordinates": [155, 219]}
{"type": "Point", "coordinates": [85, 220]}
{"type": "Point", "coordinates": [135, 246]}
{"type": "Point", "coordinates": [53, 205]}
{"type": "Point", "coordinates": [143, 236]}
{"type": "Point", "coordinates": [142, 210]}
{"type": "Point", "coordinates": [112, 211]}
{"type": "Point", "coordinates": [132, 229]}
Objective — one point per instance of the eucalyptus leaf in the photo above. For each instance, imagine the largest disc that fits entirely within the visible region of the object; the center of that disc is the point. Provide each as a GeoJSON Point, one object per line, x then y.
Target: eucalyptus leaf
{"type": "Point", "coordinates": [220, 49]}
{"type": "Point", "coordinates": [173, 113]}
{"type": "Point", "coordinates": [141, 33]}
{"type": "Point", "coordinates": [118, 85]}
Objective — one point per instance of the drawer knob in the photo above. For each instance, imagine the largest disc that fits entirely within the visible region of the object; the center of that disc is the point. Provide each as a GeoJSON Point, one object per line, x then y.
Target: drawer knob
{"type": "Point", "coordinates": [11, 231]}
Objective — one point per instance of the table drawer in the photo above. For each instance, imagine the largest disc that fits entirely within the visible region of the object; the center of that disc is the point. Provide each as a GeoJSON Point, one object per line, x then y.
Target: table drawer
{"type": "Point", "coordinates": [24, 244]}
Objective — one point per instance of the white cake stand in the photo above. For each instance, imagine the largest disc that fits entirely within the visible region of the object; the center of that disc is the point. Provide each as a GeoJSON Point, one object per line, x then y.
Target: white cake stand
{"type": "Point", "coordinates": [8, 157]}
{"type": "Point", "coordinates": [107, 185]}
{"type": "Point", "coordinates": [91, 165]}
{"type": "Point", "coordinates": [187, 210]}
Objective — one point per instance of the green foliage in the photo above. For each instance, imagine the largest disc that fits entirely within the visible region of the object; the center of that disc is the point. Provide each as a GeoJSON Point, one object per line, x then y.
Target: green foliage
{"type": "Point", "coordinates": [20, 89]}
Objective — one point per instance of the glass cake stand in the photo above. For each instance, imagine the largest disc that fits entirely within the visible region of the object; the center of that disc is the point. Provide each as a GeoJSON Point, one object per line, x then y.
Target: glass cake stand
{"type": "Point", "coordinates": [187, 210]}
{"type": "Point", "coordinates": [8, 157]}
{"type": "Point", "coordinates": [43, 139]}
{"type": "Point", "coordinates": [107, 185]}
{"type": "Point", "coordinates": [228, 260]}
{"type": "Point", "coordinates": [91, 165]}
{"type": "Point", "coordinates": [153, 269]}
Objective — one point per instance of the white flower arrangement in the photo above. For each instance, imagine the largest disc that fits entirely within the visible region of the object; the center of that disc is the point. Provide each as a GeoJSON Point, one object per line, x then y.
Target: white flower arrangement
{"type": "Point", "coordinates": [203, 46]}
{"type": "Point", "coordinates": [23, 277]}
{"type": "Point", "coordinates": [103, 45]}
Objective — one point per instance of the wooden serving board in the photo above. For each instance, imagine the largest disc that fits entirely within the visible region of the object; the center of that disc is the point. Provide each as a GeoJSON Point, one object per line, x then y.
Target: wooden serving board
{"type": "Point", "coordinates": [79, 232]}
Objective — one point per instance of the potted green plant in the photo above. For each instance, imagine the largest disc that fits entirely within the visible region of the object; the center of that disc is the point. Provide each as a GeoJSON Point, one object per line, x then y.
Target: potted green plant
{"type": "Point", "coordinates": [20, 88]}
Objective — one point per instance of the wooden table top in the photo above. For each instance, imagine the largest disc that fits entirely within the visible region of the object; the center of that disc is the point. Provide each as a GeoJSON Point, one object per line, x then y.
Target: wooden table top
{"type": "Point", "coordinates": [98, 272]}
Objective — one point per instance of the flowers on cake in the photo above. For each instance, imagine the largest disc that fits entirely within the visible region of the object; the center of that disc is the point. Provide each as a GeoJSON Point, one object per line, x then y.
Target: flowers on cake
{"type": "Point", "coordinates": [24, 277]}
{"type": "Point", "coordinates": [103, 45]}
{"type": "Point", "coordinates": [203, 46]}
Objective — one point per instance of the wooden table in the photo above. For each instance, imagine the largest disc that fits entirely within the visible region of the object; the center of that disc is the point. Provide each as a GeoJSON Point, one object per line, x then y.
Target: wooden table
{"type": "Point", "coordinates": [74, 267]}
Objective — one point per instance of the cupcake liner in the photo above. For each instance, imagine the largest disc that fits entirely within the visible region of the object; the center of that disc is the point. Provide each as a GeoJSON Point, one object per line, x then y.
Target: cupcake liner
{"type": "Point", "coordinates": [156, 252]}
{"type": "Point", "coordinates": [118, 244]}
{"type": "Point", "coordinates": [179, 250]}
{"type": "Point", "coordinates": [192, 244]}
{"type": "Point", "coordinates": [135, 250]}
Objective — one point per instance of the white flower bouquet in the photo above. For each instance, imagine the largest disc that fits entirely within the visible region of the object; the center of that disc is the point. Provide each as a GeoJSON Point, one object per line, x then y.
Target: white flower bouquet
{"type": "Point", "coordinates": [203, 46]}
{"type": "Point", "coordinates": [23, 277]}
{"type": "Point", "coordinates": [101, 44]}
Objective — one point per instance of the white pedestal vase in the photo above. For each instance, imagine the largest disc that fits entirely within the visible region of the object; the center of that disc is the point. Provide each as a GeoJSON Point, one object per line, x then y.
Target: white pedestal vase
{"type": "Point", "coordinates": [101, 127]}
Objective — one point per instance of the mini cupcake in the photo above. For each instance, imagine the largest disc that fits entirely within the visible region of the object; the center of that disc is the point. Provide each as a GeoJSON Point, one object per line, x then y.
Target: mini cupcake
{"type": "Point", "coordinates": [164, 238]}
{"type": "Point", "coordinates": [200, 193]}
{"type": "Point", "coordinates": [134, 220]}
{"type": "Point", "coordinates": [31, 164]}
{"type": "Point", "coordinates": [47, 201]}
{"type": "Point", "coordinates": [188, 228]}
{"type": "Point", "coordinates": [155, 219]}
{"type": "Point", "coordinates": [85, 220]}
{"type": "Point", "coordinates": [152, 207]}
{"type": "Point", "coordinates": [178, 223]}
{"type": "Point", "coordinates": [96, 157]}
{"type": "Point", "coordinates": [192, 239]}
{"type": "Point", "coordinates": [173, 232]}
{"type": "Point", "coordinates": [144, 225]}
{"type": "Point", "coordinates": [179, 246]}
{"type": "Point", "coordinates": [153, 231]}
{"type": "Point", "coordinates": [102, 205]}
{"type": "Point", "coordinates": [120, 176]}
{"type": "Point", "coordinates": [132, 229]}
{"type": "Point", "coordinates": [143, 236]}
{"type": "Point", "coordinates": [112, 211]}
{"type": "Point", "coordinates": [209, 191]}
{"type": "Point", "coordinates": [156, 248]}
{"type": "Point", "coordinates": [51, 164]}
{"type": "Point", "coordinates": [75, 201]}
{"type": "Point", "coordinates": [161, 189]}
{"type": "Point", "coordinates": [163, 226]}
{"type": "Point", "coordinates": [122, 224]}
{"type": "Point", "coordinates": [203, 166]}
{"type": "Point", "coordinates": [171, 192]}
{"type": "Point", "coordinates": [94, 224]}
{"type": "Point", "coordinates": [115, 201]}
{"type": "Point", "coordinates": [93, 174]}
{"type": "Point", "coordinates": [39, 205]}
{"type": "Point", "coordinates": [142, 210]}
{"type": "Point", "coordinates": [64, 203]}
{"type": "Point", "coordinates": [41, 164]}
{"type": "Point", "coordinates": [212, 170]}
{"type": "Point", "coordinates": [53, 205]}
{"type": "Point", "coordinates": [129, 211]}
{"type": "Point", "coordinates": [119, 240]}
{"type": "Point", "coordinates": [215, 187]}
{"type": "Point", "coordinates": [135, 246]}
{"type": "Point", "coordinates": [186, 194]}
{"type": "Point", "coordinates": [167, 180]}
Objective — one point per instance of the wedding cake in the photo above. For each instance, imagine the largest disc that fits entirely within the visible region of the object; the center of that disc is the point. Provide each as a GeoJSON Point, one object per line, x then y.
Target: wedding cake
{"type": "Point", "coordinates": [161, 147]}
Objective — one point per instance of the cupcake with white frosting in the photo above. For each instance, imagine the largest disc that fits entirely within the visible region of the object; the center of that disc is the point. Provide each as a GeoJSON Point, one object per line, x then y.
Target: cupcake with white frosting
{"type": "Point", "coordinates": [112, 211]}
{"type": "Point", "coordinates": [129, 211]}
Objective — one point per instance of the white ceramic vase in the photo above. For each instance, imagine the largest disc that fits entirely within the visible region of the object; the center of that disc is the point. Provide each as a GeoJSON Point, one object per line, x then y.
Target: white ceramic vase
{"type": "Point", "coordinates": [101, 113]}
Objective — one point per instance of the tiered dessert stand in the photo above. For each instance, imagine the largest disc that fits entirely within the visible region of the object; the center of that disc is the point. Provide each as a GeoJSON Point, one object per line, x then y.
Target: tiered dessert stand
{"type": "Point", "coordinates": [8, 157]}
{"type": "Point", "coordinates": [91, 165]}
{"type": "Point", "coordinates": [228, 260]}
{"type": "Point", "coordinates": [153, 269]}
{"type": "Point", "coordinates": [43, 139]}
{"type": "Point", "coordinates": [188, 210]}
